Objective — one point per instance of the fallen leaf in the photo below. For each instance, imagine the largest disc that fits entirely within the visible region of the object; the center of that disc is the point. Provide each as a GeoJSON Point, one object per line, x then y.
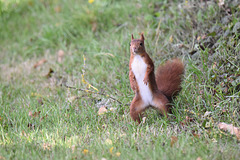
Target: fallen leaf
{"type": "Point", "coordinates": [223, 111]}
{"type": "Point", "coordinates": [143, 119]}
{"type": "Point", "coordinates": [30, 113]}
{"type": "Point", "coordinates": [57, 9]}
{"type": "Point", "coordinates": [214, 140]}
{"type": "Point", "coordinates": [94, 26]}
{"type": "Point", "coordinates": [73, 98]}
{"type": "Point", "coordinates": [181, 45]}
{"type": "Point", "coordinates": [204, 36]}
{"type": "Point", "coordinates": [220, 3]}
{"type": "Point", "coordinates": [73, 148]}
{"type": "Point", "coordinates": [108, 141]}
{"type": "Point", "coordinates": [112, 109]}
{"type": "Point", "coordinates": [110, 150]}
{"type": "Point", "coordinates": [199, 158]}
{"type": "Point", "coordinates": [2, 158]}
{"type": "Point", "coordinates": [36, 95]}
{"type": "Point", "coordinates": [230, 128]}
{"type": "Point", "coordinates": [198, 38]}
{"type": "Point", "coordinates": [174, 139]}
{"type": "Point", "coordinates": [118, 154]}
{"type": "Point", "coordinates": [201, 92]}
{"type": "Point", "coordinates": [214, 65]}
{"type": "Point", "coordinates": [24, 134]}
{"type": "Point", "coordinates": [226, 90]}
{"type": "Point", "coordinates": [60, 55]}
{"type": "Point", "coordinates": [39, 63]}
{"type": "Point", "coordinates": [46, 146]}
{"type": "Point", "coordinates": [171, 39]}
{"type": "Point", "coordinates": [85, 151]}
{"type": "Point", "coordinates": [102, 110]}
{"type": "Point", "coordinates": [196, 135]}
{"type": "Point", "coordinates": [206, 113]}
{"type": "Point", "coordinates": [222, 84]}
{"type": "Point", "coordinates": [90, 1]}
{"type": "Point", "coordinates": [36, 114]}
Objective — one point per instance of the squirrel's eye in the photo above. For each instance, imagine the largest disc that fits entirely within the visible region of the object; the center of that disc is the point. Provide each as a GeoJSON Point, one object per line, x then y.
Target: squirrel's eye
{"type": "Point", "coordinates": [141, 44]}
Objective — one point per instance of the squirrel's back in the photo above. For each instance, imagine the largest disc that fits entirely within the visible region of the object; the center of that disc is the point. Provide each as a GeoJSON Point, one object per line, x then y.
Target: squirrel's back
{"type": "Point", "coordinates": [169, 77]}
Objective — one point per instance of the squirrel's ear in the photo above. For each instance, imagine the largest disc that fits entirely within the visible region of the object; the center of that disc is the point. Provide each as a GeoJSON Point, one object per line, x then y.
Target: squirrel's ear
{"type": "Point", "coordinates": [132, 37]}
{"type": "Point", "coordinates": [142, 37]}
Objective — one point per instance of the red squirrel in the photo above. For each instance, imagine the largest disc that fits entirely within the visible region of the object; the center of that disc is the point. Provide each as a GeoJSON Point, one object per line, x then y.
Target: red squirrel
{"type": "Point", "coordinates": [151, 91]}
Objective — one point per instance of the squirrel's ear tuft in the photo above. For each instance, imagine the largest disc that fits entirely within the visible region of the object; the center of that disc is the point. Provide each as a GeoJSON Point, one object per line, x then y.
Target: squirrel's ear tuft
{"type": "Point", "coordinates": [132, 37]}
{"type": "Point", "coordinates": [142, 37]}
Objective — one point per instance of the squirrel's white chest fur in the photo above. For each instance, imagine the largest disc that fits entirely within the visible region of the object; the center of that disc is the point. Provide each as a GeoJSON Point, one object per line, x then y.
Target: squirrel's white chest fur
{"type": "Point", "coordinates": [139, 68]}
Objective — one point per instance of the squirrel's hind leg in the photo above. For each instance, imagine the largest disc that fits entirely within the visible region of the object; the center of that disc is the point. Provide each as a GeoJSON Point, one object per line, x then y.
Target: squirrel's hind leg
{"type": "Point", "coordinates": [160, 102]}
{"type": "Point", "coordinates": [136, 108]}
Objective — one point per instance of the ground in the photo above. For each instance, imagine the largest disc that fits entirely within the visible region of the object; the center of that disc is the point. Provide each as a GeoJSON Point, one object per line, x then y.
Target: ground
{"type": "Point", "coordinates": [60, 61]}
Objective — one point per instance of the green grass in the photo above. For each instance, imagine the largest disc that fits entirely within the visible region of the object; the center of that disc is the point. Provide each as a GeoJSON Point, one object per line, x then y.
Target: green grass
{"type": "Point", "coordinates": [42, 119]}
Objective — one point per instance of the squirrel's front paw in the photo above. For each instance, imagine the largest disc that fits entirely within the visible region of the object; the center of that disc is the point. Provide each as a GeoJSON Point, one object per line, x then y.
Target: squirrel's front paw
{"type": "Point", "coordinates": [145, 81]}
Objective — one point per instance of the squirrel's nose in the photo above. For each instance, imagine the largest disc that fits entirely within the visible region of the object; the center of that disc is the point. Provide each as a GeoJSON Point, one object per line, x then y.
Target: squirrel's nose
{"type": "Point", "coordinates": [134, 49]}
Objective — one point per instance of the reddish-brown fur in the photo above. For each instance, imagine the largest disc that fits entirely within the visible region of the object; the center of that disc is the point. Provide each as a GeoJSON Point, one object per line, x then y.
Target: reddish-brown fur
{"type": "Point", "coordinates": [169, 77]}
{"type": "Point", "coordinates": [163, 87]}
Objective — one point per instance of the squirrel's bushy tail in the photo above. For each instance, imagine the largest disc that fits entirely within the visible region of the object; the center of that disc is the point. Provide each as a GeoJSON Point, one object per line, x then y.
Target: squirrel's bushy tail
{"type": "Point", "coordinates": [169, 77]}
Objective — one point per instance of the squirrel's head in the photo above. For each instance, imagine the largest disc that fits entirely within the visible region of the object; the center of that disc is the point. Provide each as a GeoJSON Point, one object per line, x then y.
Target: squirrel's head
{"type": "Point", "coordinates": [137, 45]}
